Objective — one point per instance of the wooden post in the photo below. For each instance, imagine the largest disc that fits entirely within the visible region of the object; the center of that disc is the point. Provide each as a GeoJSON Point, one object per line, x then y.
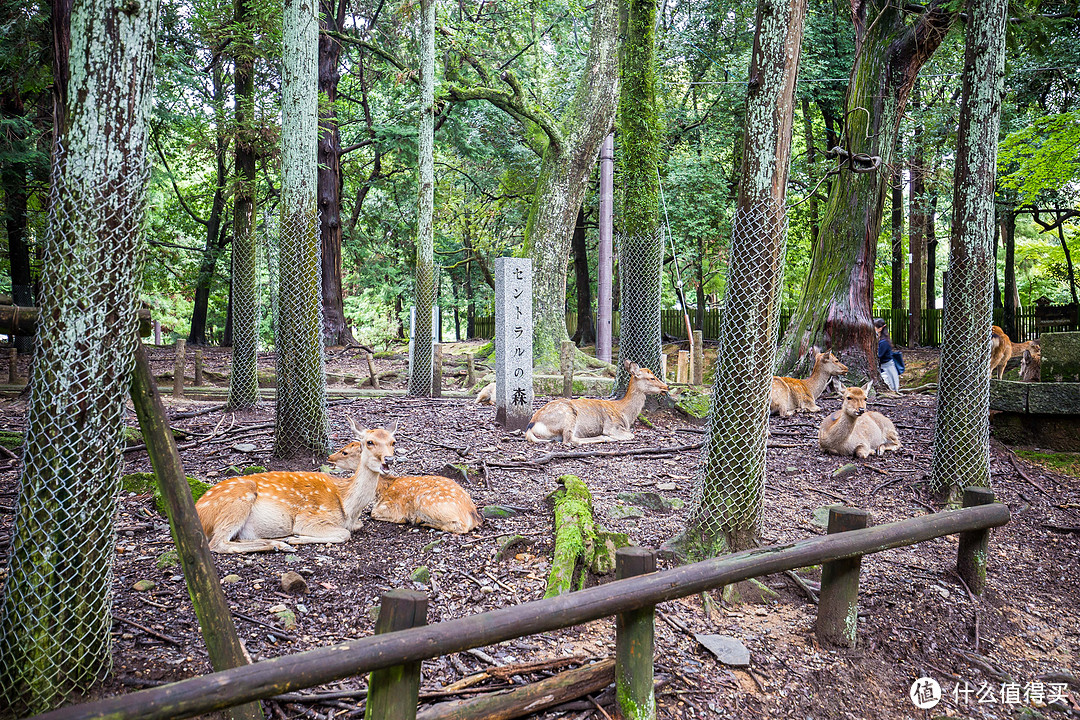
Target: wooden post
{"type": "Point", "coordinates": [470, 371]}
{"type": "Point", "coordinates": [371, 371]}
{"type": "Point", "coordinates": [394, 691]}
{"type": "Point", "coordinates": [211, 607]}
{"type": "Point", "coordinates": [634, 642]}
{"type": "Point", "coordinates": [13, 366]}
{"type": "Point", "coordinates": [436, 375]}
{"type": "Point", "coordinates": [681, 368]}
{"type": "Point", "coordinates": [663, 367]}
{"type": "Point", "coordinates": [198, 367]}
{"type": "Point", "coordinates": [566, 364]}
{"type": "Point", "coordinates": [699, 358]}
{"type": "Point", "coordinates": [157, 332]}
{"type": "Point", "coordinates": [971, 553]}
{"type": "Point", "coordinates": [178, 369]}
{"type": "Point", "coordinates": [838, 606]}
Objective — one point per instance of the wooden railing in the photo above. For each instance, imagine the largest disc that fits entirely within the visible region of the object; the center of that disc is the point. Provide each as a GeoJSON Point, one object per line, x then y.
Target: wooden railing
{"type": "Point", "coordinates": [630, 599]}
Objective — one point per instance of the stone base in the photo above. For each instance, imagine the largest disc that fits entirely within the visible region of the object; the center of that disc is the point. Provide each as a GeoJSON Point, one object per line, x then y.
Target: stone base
{"type": "Point", "coordinates": [1056, 432]}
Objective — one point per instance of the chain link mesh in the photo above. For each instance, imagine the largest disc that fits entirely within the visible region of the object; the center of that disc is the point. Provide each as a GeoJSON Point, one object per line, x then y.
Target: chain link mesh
{"type": "Point", "coordinates": [302, 424]}
{"type": "Point", "coordinates": [246, 314]}
{"type": "Point", "coordinates": [56, 613]}
{"type": "Point", "coordinates": [640, 274]}
{"type": "Point", "coordinates": [730, 482]}
{"type": "Point", "coordinates": [421, 350]}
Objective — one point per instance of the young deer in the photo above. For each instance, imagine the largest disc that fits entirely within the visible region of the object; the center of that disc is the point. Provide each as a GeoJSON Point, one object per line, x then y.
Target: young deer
{"type": "Point", "coordinates": [276, 510]}
{"type": "Point", "coordinates": [854, 430]}
{"type": "Point", "coordinates": [587, 420]}
{"type": "Point", "coordinates": [486, 396]}
{"type": "Point", "coordinates": [430, 500]}
{"type": "Point", "coordinates": [788, 395]}
{"type": "Point", "coordinates": [1002, 350]}
{"type": "Point", "coordinates": [1031, 363]}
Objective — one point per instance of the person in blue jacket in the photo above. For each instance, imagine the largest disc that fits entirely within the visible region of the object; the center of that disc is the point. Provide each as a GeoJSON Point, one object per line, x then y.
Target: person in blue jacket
{"type": "Point", "coordinates": [885, 356]}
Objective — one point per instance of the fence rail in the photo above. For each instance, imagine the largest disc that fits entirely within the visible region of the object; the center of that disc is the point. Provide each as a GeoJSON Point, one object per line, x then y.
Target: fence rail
{"type": "Point", "coordinates": [267, 678]}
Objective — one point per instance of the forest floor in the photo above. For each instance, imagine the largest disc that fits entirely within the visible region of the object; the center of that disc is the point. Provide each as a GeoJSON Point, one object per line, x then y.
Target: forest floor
{"type": "Point", "coordinates": [916, 618]}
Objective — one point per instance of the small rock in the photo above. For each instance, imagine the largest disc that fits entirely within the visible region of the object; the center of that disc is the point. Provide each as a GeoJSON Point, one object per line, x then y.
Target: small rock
{"type": "Point", "coordinates": [230, 579]}
{"type": "Point", "coordinates": [287, 618]}
{"type": "Point", "coordinates": [421, 575]}
{"type": "Point", "coordinates": [820, 516]}
{"type": "Point", "coordinates": [665, 486]}
{"type": "Point", "coordinates": [293, 582]}
{"type": "Point", "coordinates": [169, 558]}
{"type": "Point", "coordinates": [301, 608]}
{"type": "Point", "coordinates": [277, 608]}
{"type": "Point", "coordinates": [845, 471]}
{"type": "Point", "coordinates": [625, 512]}
{"type": "Point", "coordinates": [648, 500]}
{"type": "Point", "coordinates": [431, 546]}
{"type": "Point", "coordinates": [245, 447]}
{"type": "Point", "coordinates": [144, 585]}
{"type": "Point", "coordinates": [675, 503]}
{"type": "Point", "coordinates": [498, 511]}
{"type": "Point", "coordinates": [373, 612]}
{"type": "Point", "coordinates": [292, 558]}
{"type": "Point", "coordinates": [727, 649]}
{"type": "Point", "coordinates": [791, 470]}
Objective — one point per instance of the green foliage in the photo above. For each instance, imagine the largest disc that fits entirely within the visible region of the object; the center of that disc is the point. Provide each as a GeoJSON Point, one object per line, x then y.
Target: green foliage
{"type": "Point", "coordinates": [1064, 463]}
{"type": "Point", "coordinates": [1042, 161]}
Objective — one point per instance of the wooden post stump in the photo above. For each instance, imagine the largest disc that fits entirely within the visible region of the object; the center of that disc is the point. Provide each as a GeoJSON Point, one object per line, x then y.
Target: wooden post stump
{"type": "Point", "coordinates": [178, 369]}
{"type": "Point", "coordinates": [436, 376]}
{"type": "Point", "coordinates": [198, 368]}
{"type": "Point", "coordinates": [971, 553]}
{"type": "Point", "coordinates": [663, 367]}
{"type": "Point", "coordinates": [470, 371]}
{"type": "Point", "coordinates": [682, 367]}
{"type": "Point", "coordinates": [13, 366]}
{"type": "Point", "coordinates": [698, 375]}
{"type": "Point", "coordinates": [371, 370]}
{"type": "Point", "coordinates": [566, 364]}
{"type": "Point", "coordinates": [634, 642]}
{"type": "Point", "coordinates": [394, 692]}
{"type": "Point", "coordinates": [157, 332]}
{"type": "Point", "coordinates": [838, 606]}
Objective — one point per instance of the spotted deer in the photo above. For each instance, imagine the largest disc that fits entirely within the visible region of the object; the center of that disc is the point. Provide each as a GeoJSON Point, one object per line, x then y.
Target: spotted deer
{"type": "Point", "coordinates": [1002, 350]}
{"type": "Point", "coordinates": [429, 500]}
{"type": "Point", "coordinates": [277, 510]}
{"type": "Point", "coordinates": [789, 395]}
{"type": "Point", "coordinates": [854, 430]}
{"type": "Point", "coordinates": [589, 420]}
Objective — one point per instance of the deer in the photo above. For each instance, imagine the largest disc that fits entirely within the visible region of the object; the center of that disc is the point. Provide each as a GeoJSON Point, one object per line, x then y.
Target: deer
{"type": "Point", "coordinates": [277, 510]}
{"type": "Point", "coordinates": [486, 396]}
{"type": "Point", "coordinates": [1002, 350]}
{"type": "Point", "coordinates": [430, 500]}
{"type": "Point", "coordinates": [1031, 363]}
{"type": "Point", "coordinates": [854, 430]}
{"type": "Point", "coordinates": [590, 420]}
{"type": "Point", "coordinates": [789, 395]}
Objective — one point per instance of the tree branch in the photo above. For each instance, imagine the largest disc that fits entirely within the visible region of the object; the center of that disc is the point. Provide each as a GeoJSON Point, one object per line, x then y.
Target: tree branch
{"type": "Point", "coordinates": [176, 188]}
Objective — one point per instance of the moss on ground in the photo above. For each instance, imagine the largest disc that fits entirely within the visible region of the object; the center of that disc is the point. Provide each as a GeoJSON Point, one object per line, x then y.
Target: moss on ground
{"type": "Point", "coordinates": [1062, 462]}
{"type": "Point", "coordinates": [11, 440]}
{"type": "Point", "coordinates": [144, 482]}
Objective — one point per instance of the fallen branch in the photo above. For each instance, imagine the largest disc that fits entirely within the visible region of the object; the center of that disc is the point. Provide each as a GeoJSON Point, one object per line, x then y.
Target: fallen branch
{"type": "Point", "coordinates": [577, 454]}
{"type": "Point", "coordinates": [1025, 476]}
{"type": "Point", "coordinates": [461, 451]}
{"type": "Point", "coordinates": [802, 585]}
{"type": "Point", "coordinates": [911, 391]}
{"type": "Point", "coordinates": [197, 413]}
{"type": "Point", "coordinates": [148, 631]}
{"type": "Point", "coordinates": [505, 671]}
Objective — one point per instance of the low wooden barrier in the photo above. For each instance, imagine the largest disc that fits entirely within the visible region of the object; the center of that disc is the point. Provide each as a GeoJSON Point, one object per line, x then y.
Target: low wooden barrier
{"type": "Point", "coordinates": [630, 598]}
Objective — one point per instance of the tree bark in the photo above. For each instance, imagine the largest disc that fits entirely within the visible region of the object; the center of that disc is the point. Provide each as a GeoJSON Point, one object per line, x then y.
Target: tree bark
{"type": "Point", "coordinates": [55, 617]}
{"type": "Point", "coordinates": [962, 432]}
{"type": "Point", "coordinates": [897, 285]}
{"type": "Point", "coordinates": [1008, 233]}
{"type": "Point", "coordinates": [586, 332]}
{"type": "Point", "coordinates": [834, 310]}
{"type": "Point", "coordinates": [421, 371]}
{"type": "Point", "coordinates": [811, 158]}
{"type": "Point", "coordinates": [931, 253]}
{"type": "Point", "coordinates": [15, 200]}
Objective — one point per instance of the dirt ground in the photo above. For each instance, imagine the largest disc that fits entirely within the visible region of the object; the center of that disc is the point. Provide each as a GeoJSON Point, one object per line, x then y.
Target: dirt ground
{"type": "Point", "coordinates": [916, 619]}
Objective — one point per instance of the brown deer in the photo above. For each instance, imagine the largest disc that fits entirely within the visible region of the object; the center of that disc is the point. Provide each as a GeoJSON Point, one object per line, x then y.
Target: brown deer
{"type": "Point", "coordinates": [854, 430]}
{"type": "Point", "coordinates": [789, 395]}
{"type": "Point", "coordinates": [429, 500]}
{"type": "Point", "coordinates": [589, 420]}
{"type": "Point", "coordinates": [1031, 363]}
{"type": "Point", "coordinates": [276, 510]}
{"type": "Point", "coordinates": [1002, 350]}
{"type": "Point", "coordinates": [486, 396]}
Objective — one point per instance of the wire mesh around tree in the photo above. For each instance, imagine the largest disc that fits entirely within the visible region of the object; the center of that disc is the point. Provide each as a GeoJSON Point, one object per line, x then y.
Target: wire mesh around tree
{"type": "Point", "coordinates": [245, 298]}
{"type": "Point", "coordinates": [56, 616]}
{"type": "Point", "coordinates": [421, 350]}
{"type": "Point", "coordinates": [640, 274]}
{"type": "Point", "coordinates": [730, 481]}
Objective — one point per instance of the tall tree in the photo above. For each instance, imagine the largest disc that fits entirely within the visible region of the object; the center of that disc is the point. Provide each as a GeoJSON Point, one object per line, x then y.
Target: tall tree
{"type": "Point", "coordinates": [834, 309]}
{"type": "Point", "coordinates": [301, 399]}
{"type": "Point", "coordinates": [586, 328]}
{"type": "Point", "coordinates": [962, 428]}
{"type": "Point", "coordinates": [55, 618]}
{"type": "Point", "coordinates": [917, 221]}
{"type": "Point", "coordinates": [421, 371]}
{"type": "Point", "coordinates": [896, 290]}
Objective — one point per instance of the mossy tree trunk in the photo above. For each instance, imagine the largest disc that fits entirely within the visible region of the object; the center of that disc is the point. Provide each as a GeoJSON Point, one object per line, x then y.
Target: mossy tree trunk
{"type": "Point", "coordinates": [834, 310]}
{"type": "Point", "coordinates": [916, 222]}
{"type": "Point", "coordinates": [728, 516]}
{"type": "Point", "coordinates": [422, 369]}
{"type": "Point", "coordinates": [56, 618]}
{"type": "Point", "coordinates": [301, 392]}
{"type": "Point", "coordinates": [962, 430]}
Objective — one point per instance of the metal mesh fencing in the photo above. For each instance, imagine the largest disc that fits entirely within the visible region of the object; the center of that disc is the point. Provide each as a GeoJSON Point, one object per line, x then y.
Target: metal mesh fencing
{"type": "Point", "coordinates": [421, 350]}
{"type": "Point", "coordinates": [727, 507]}
{"type": "Point", "coordinates": [302, 424]}
{"type": "Point", "coordinates": [245, 295]}
{"type": "Point", "coordinates": [56, 616]}
{"type": "Point", "coordinates": [640, 274]}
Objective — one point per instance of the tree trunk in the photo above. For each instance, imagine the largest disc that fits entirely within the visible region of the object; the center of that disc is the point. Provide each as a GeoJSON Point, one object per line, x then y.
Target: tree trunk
{"type": "Point", "coordinates": [728, 516]}
{"type": "Point", "coordinates": [22, 288]}
{"type": "Point", "coordinates": [561, 185]}
{"type": "Point", "coordinates": [586, 331]}
{"type": "Point", "coordinates": [897, 286]}
{"type": "Point", "coordinates": [335, 330]}
{"type": "Point", "coordinates": [244, 288]}
{"type": "Point", "coordinates": [962, 432]}
{"type": "Point", "coordinates": [421, 371]}
{"type": "Point", "coordinates": [301, 393]}
{"type": "Point", "coordinates": [1008, 233]}
{"type": "Point", "coordinates": [834, 310]}
{"type": "Point", "coordinates": [811, 158]}
{"type": "Point", "coordinates": [700, 285]}
{"type": "Point", "coordinates": [56, 617]}
{"type": "Point", "coordinates": [916, 222]}
{"type": "Point", "coordinates": [931, 253]}
{"type": "Point", "coordinates": [641, 251]}
{"type": "Point", "coordinates": [470, 299]}
{"type": "Point", "coordinates": [1068, 257]}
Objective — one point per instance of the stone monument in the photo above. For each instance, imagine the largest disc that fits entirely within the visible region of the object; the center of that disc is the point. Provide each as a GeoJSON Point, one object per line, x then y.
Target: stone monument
{"type": "Point", "coordinates": [513, 342]}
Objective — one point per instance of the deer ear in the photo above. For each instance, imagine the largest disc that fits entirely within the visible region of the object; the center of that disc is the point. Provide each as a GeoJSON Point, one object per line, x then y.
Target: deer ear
{"type": "Point", "coordinates": [358, 432]}
{"type": "Point", "coordinates": [867, 386]}
{"type": "Point", "coordinates": [392, 428]}
{"type": "Point", "coordinates": [627, 364]}
{"type": "Point", "coordinates": [634, 369]}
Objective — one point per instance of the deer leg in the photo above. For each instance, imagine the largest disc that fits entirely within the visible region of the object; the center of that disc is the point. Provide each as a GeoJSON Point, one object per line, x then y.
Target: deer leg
{"type": "Point", "coordinates": [589, 440]}
{"type": "Point", "coordinates": [221, 545]}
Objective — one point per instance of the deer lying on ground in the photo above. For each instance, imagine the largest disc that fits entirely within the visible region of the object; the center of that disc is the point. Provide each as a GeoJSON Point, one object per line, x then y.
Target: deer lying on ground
{"type": "Point", "coordinates": [486, 396]}
{"type": "Point", "coordinates": [1002, 350]}
{"type": "Point", "coordinates": [1031, 363]}
{"type": "Point", "coordinates": [854, 430]}
{"type": "Point", "coordinates": [429, 500]}
{"type": "Point", "coordinates": [276, 510]}
{"type": "Point", "coordinates": [788, 395]}
{"type": "Point", "coordinates": [589, 420]}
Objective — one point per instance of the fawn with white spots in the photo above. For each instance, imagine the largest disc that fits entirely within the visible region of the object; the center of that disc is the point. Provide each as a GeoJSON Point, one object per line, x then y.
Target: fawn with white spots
{"type": "Point", "coordinates": [854, 430]}
{"type": "Point", "coordinates": [276, 510]}
{"type": "Point", "coordinates": [429, 500]}
{"type": "Point", "coordinates": [589, 420]}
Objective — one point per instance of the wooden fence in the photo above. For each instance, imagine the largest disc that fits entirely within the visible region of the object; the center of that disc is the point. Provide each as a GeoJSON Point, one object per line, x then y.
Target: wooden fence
{"type": "Point", "coordinates": [393, 654]}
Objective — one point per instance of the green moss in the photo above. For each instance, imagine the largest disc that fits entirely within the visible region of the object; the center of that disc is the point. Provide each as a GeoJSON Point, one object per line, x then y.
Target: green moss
{"type": "Point", "coordinates": [11, 440]}
{"type": "Point", "coordinates": [253, 470]}
{"type": "Point", "coordinates": [575, 535]}
{"type": "Point", "coordinates": [145, 482]}
{"type": "Point", "coordinates": [487, 350]}
{"type": "Point", "coordinates": [1062, 462]}
{"type": "Point", "coordinates": [693, 402]}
